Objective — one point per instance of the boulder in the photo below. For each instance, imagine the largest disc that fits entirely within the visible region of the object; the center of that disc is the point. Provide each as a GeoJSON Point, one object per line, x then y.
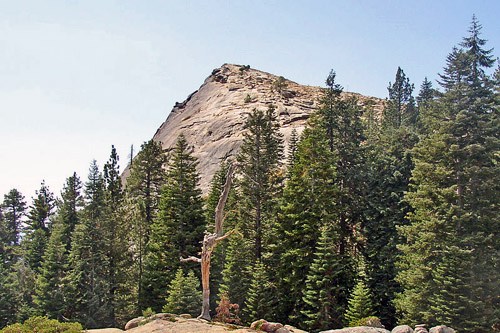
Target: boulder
{"type": "Point", "coordinates": [256, 325]}
{"type": "Point", "coordinates": [441, 329]}
{"type": "Point", "coordinates": [163, 316]}
{"type": "Point", "coordinates": [133, 323]}
{"type": "Point", "coordinates": [402, 329]}
{"type": "Point", "coordinates": [420, 329]}
{"type": "Point", "coordinates": [185, 316]}
{"type": "Point", "coordinates": [270, 327]}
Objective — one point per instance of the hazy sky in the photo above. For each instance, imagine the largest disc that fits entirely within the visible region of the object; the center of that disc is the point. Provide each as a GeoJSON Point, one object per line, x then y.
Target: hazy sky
{"type": "Point", "coordinates": [79, 76]}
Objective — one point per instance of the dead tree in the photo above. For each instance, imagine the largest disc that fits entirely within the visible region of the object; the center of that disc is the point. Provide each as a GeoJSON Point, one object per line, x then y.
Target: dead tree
{"type": "Point", "coordinates": [210, 240]}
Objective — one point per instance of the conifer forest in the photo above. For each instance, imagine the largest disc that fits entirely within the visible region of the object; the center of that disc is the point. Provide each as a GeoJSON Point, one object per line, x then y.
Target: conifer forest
{"type": "Point", "coordinates": [392, 214]}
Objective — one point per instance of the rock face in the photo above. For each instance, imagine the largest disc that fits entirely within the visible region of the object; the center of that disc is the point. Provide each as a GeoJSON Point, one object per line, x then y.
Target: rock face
{"type": "Point", "coordinates": [212, 117]}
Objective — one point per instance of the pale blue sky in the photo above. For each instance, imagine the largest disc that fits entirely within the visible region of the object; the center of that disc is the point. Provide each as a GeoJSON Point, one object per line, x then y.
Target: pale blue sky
{"type": "Point", "coordinates": [79, 76]}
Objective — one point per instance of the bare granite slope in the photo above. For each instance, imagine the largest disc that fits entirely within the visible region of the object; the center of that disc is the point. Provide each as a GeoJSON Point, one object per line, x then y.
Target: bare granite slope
{"type": "Point", "coordinates": [212, 117]}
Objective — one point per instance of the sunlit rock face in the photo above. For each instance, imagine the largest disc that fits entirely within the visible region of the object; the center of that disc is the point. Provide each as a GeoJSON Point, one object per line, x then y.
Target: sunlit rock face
{"type": "Point", "coordinates": [212, 118]}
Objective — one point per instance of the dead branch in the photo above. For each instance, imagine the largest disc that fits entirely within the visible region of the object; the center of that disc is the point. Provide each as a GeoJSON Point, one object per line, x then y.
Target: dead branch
{"type": "Point", "coordinates": [191, 258]}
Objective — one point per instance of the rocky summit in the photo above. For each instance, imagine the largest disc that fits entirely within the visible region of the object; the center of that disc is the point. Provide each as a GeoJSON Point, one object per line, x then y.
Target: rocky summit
{"type": "Point", "coordinates": [212, 118]}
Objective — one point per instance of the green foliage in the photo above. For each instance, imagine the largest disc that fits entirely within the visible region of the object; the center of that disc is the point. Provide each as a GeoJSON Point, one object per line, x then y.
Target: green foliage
{"type": "Point", "coordinates": [401, 105]}
{"type": "Point", "coordinates": [360, 305]}
{"type": "Point", "coordinates": [261, 175]}
{"type": "Point", "coordinates": [327, 285]}
{"type": "Point", "coordinates": [450, 259]}
{"type": "Point", "coordinates": [148, 313]}
{"type": "Point", "coordinates": [178, 229]}
{"type": "Point", "coordinates": [248, 99]}
{"type": "Point", "coordinates": [184, 294]}
{"type": "Point", "coordinates": [261, 297]}
{"type": "Point", "coordinates": [43, 325]}
{"type": "Point", "coordinates": [279, 85]}
{"type": "Point", "coordinates": [38, 227]}
{"type": "Point", "coordinates": [307, 205]}
{"type": "Point", "coordinates": [147, 176]}
{"type": "Point", "coordinates": [368, 321]}
{"type": "Point", "coordinates": [219, 253]}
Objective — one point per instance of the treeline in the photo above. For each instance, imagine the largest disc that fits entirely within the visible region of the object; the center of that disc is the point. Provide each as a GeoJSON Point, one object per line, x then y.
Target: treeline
{"type": "Point", "coordinates": [394, 215]}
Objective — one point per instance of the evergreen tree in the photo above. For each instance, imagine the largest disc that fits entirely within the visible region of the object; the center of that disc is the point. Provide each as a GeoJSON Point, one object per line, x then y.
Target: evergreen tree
{"type": "Point", "coordinates": [51, 282]}
{"type": "Point", "coordinates": [307, 204]}
{"type": "Point", "coordinates": [184, 294]}
{"type": "Point", "coordinates": [389, 166]}
{"type": "Point", "coordinates": [88, 281]}
{"type": "Point", "coordinates": [345, 133]}
{"type": "Point", "coordinates": [219, 254]}
{"type": "Point", "coordinates": [326, 287]}
{"type": "Point", "coordinates": [8, 299]}
{"type": "Point", "coordinates": [38, 227]}
{"type": "Point", "coordinates": [147, 176]}
{"type": "Point", "coordinates": [14, 209]}
{"type": "Point", "coordinates": [360, 304]}
{"type": "Point", "coordinates": [236, 276]}
{"type": "Point", "coordinates": [116, 232]}
{"type": "Point", "coordinates": [261, 300]}
{"type": "Point", "coordinates": [400, 108]}
{"type": "Point", "coordinates": [455, 201]}
{"type": "Point", "coordinates": [260, 158]}
{"type": "Point", "coordinates": [178, 229]}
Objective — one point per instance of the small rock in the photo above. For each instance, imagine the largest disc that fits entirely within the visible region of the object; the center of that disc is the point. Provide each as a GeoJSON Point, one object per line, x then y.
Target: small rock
{"type": "Point", "coordinates": [420, 329]}
{"type": "Point", "coordinates": [257, 324]}
{"type": "Point", "coordinates": [402, 329]}
{"type": "Point", "coordinates": [133, 323]}
{"type": "Point", "coordinates": [185, 316]}
{"type": "Point", "coordinates": [442, 329]}
{"type": "Point", "coordinates": [271, 327]}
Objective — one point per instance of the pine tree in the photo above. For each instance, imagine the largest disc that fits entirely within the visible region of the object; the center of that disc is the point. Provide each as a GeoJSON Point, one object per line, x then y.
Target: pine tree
{"type": "Point", "coordinates": [147, 176]}
{"type": "Point", "coordinates": [184, 294]}
{"type": "Point", "coordinates": [261, 300]}
{"type": "Point", "coordinates": [455, 202]}
{"type": "Point", "coordinates": [50, 285]}
{"type": "Point", "coordinates": [88, 284]}
{"type": "Point", "coordinates": [307, 204]}
{"type": "Point", "coordinates": [236, 276]}
{"type": "Point", "coordinates": [38, 227]}
{"type": "Point", "coordinates": [389, 168]}
{"type": "Point", "coordinates": [116, 230]}
{"type": "Point", "coordinates": [178, 229]}
{"type": "Point", "coordinates": [260, 159]}
{"type": "Point", "coordinates": [326, 288]}
{"type": "Point", "coordinates": [14, 209]}
{"type": "Point", "coordinates": [360, 304]}
{"type": "Point", "coordinates": [51, 282]}
{"type": "Point", "coordinates": [401, 108]}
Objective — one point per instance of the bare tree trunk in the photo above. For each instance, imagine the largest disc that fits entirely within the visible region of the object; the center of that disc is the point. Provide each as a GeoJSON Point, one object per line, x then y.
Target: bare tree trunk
{"type": "Point", "coordinates": [210, 240]}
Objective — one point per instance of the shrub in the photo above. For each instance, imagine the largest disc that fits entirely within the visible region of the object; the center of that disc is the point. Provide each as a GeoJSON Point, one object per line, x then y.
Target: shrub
{"type": "Point", "coordinates": [43, 325]}
{"type": "Point", "coordinates": [148, 313]}
{"type": "Point", "coordinates": [370, 321]}
{"type": "Point", "coordinates": [248, 99]}
{"type": "Point", "coordinates": [227, 312]}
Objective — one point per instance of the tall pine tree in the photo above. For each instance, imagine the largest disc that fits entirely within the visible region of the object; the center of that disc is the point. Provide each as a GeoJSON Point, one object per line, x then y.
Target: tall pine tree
{"type": "Point", "coordinates": [451, 257]}
{"type": "Point", "coordinates": [179, 227]}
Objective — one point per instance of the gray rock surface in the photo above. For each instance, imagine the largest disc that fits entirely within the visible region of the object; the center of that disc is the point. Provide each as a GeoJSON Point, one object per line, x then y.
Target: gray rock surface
{"type": "Point", "coordinates": [402, 329]}
{"type": "Point", "coordinates": [212, 117]}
